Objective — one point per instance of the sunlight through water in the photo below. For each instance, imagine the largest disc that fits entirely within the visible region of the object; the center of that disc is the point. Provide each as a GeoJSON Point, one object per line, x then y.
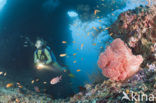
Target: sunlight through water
{"type": "Point", "coordinates": [2, 3]}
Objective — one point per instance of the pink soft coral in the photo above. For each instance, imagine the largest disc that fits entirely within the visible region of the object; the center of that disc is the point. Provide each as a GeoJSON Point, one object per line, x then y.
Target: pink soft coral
{"type": "Point", "coordinates": [118, 63]}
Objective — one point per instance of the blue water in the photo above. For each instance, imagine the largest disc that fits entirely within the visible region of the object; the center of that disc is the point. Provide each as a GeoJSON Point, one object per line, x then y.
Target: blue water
{"type": "Point", "coordinates": [85, 33]}
{"type": "Point", "coordinates": [2, 3]}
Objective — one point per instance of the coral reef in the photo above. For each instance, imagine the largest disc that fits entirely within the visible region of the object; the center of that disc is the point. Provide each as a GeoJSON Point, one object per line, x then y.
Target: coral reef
{"type": "Point", "coordinates": [112, 92]}
{"type": "Point", "coordinates": [137, 29]}
{"type": "Point", "coordinates": [118, 63]}
{"type": "Point", "coordinates": [19, 94]}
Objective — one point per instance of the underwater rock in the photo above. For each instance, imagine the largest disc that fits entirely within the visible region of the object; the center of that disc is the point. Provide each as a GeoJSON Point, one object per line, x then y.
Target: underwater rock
{"type": "Point", "coordinates": [118, 63]}
{"type": "Point", "coordinates": [137, 28]}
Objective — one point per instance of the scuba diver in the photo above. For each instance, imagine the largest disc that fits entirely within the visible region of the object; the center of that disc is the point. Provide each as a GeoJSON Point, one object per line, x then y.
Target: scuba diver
{"type": "Point", "coordinates": [43, 56]}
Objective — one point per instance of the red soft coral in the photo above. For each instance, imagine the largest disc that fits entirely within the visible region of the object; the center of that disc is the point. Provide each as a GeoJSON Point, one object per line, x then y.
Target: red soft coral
{"type": "Point", "coordinates": [118, 63]}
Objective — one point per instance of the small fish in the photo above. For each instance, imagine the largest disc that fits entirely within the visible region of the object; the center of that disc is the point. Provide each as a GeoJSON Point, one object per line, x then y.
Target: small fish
{"type": "Point", "coordinates": [112, 14]}
{"type": "Point", "coordinates": [97, 17]}
{"type": "Point", "coordinates": [65, 70]}
{"type": "Point", "coordinates": [78, 70]}
{"type": "Point", "coordinates": [82, 46]}
{"type": "Point", "coordinates": [17, 100]}
{"type": "Point", "coordinates": [71, 75]}
{"type": "Point", "coordinates": [64, 42]}
{"type": "Point", "coordinates": [106, 28]}
{"type": "Point", "coordinates": [111, 34]}
{"type": "Point", "coordinates": [20, 86]}
{"type": "Point", "coordinates": [44, 82]}
{"type": "Point", "coordinates": [36, 88]}
{"type": "Point", "coordinates": [73, 41]}
{"type": "Point", "coordinates": [63, 55]}
{"type": "Point", "coordinates": [37, 80]}
{"type": "Point", "coordinates": [32, 81]}
{"type": "Point", "coordinates": [5, 74]}
{"type": "Point", "coordinates": [96, 11]}
{"type": "Point", "coordinates": [74, 54]}
{"type": "Point", "coordinates": [56, 80]}
{"type": "Point", "coordinates": [25, 45]}
{"type": "Point", "coordinates": [88, 34]}
{"type": "Point", "coordinates": [127, 91]}
{"type": "Point", "coordinates": [9, 85]}
{"type": "Point", "coordinates": [95, 28]}
{"type": "Point", "coordinates": [94, 44]}
{"type": "Point", "coordinates": [1, 73]}
{"type": "Point", "coordinates": [74, 61]}
{"type": "Point", "coordinates": [18, 83]}
{"type": "Point", "coordinates": [25, 42]}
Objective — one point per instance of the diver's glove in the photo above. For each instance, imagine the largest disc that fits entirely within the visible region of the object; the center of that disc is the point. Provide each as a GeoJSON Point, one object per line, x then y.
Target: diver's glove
{"type": "Point", "coordinates": [44, 63]}
{"type": "Point", "coordinates": [37, 61]}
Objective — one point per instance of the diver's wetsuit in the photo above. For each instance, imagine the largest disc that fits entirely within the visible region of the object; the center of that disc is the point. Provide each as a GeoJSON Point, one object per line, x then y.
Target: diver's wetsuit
{"type": "Point", "coordinates": [43, 55]}
{"type": "Point", "coordinates": [46, 57]}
